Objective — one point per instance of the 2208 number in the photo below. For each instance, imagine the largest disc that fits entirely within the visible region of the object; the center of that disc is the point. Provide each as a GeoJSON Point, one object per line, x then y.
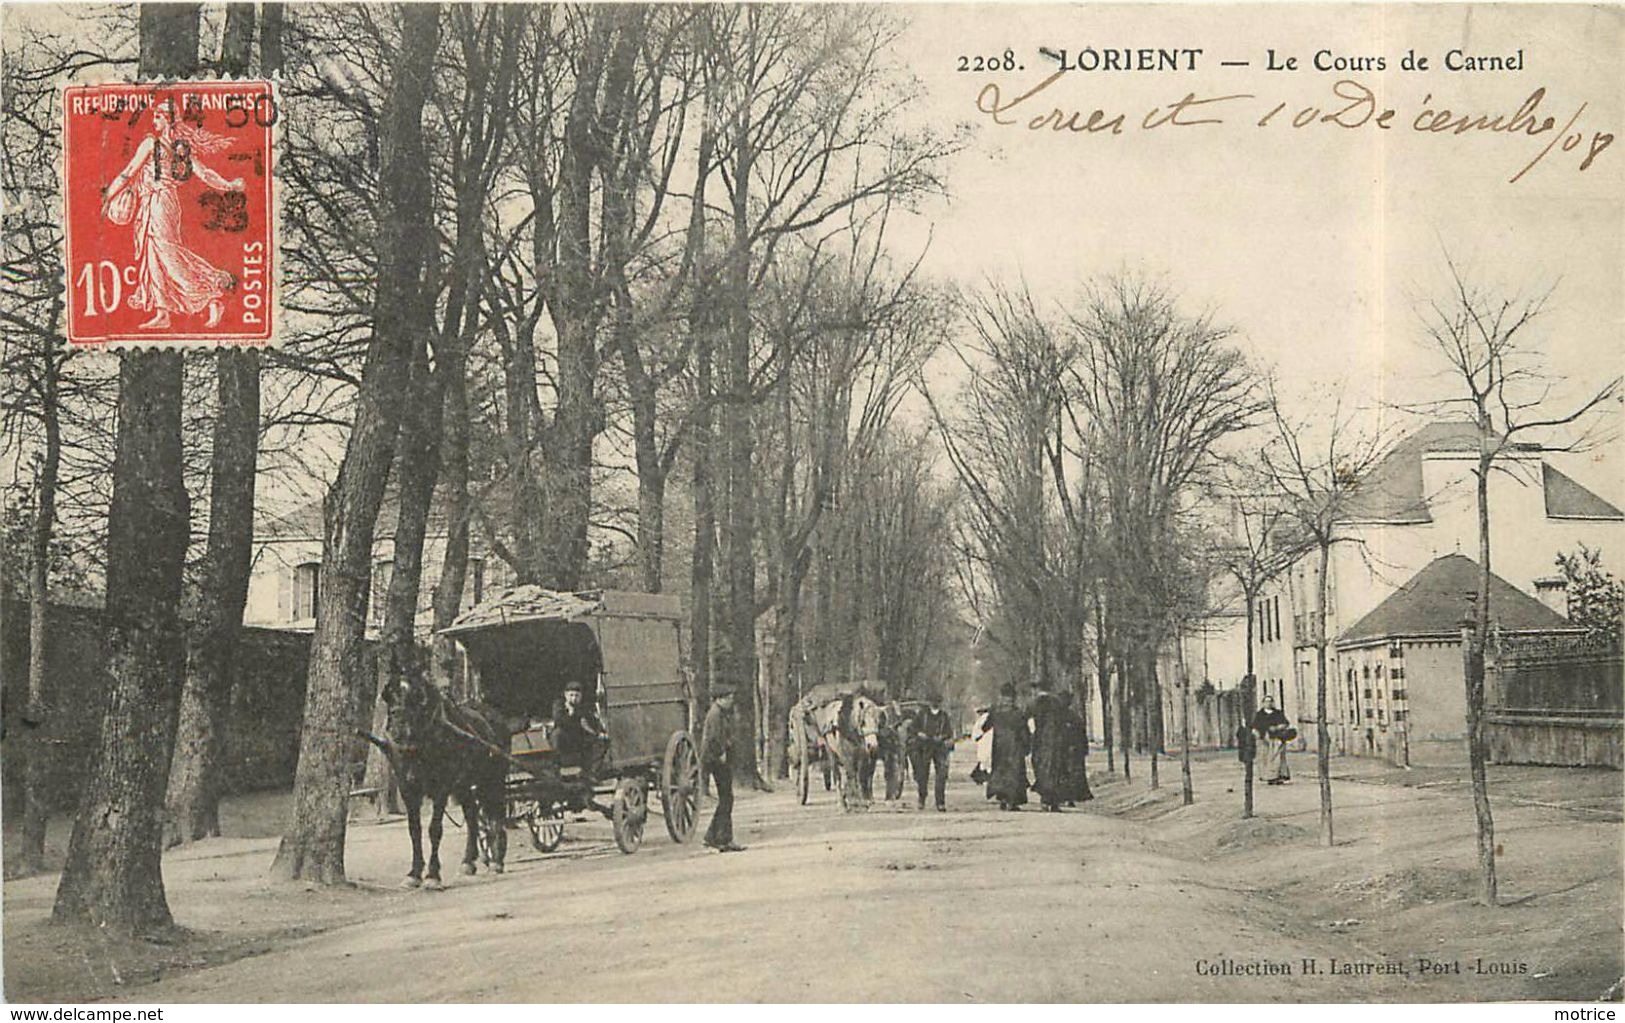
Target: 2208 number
{"type": "Point", "coordinates": [998, 62]}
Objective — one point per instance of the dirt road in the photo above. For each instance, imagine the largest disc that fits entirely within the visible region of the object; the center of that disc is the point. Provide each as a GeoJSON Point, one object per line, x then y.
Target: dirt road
{"type": "Point", "coordinates": [1134, 900]}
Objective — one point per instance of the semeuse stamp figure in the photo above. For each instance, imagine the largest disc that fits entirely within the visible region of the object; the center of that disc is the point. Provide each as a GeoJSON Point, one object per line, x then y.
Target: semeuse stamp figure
{"type": "Point", "coordinates": [168, 203]}
{"type": "Point", "coordinates": [170, 277]}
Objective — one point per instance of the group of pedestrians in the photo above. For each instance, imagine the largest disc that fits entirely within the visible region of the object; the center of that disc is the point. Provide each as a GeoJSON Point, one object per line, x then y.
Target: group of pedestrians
{"type": "Point", "coordinates": [1049, 733]}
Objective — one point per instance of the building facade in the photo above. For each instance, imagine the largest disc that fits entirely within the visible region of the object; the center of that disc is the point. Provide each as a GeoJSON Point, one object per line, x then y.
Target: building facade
{"type": "Point", "coordinates": [283, 580]}
{"type": "Point", "coordinates": [1419, 505]}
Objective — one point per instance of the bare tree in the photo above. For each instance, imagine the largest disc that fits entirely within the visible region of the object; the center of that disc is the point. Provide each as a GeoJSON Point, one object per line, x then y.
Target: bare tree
{"type": "Point", "coordinates": [470, 113]}
{"type": "Point", "coordinates": [194, 779]}
{"type": "Point", "coordinates": [113, 877]}
{"type": "Point", "coordinates": [313, 846]}
{"type": "Point", "coordinates": [1000, 443]}
{"type": "Point", "coordinates": [798, 146]}
{"type": "Point", "coordinates": [1162, 389]}
{"type": "Point", "coordinates": [1315, 467]}
{"type": "Point", "coordinates": [855, 333]}
{"type": "Point", "coordinates": [1256, 545]}
{"type": "Point", "coordinates": [1486, 338]}
{"type": "Point", "coordinates": [54, 402]}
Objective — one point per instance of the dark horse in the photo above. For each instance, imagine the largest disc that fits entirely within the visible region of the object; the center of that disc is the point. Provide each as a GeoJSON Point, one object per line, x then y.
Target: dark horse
{"type": "Point", "coordinates": [438, 748]}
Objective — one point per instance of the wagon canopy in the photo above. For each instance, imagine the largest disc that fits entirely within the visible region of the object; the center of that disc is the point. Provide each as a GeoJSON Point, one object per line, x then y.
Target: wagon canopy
{"type": "Point", "coordinates": [828, 692]}
{"type": "Point", "coordinates": [527, 642]}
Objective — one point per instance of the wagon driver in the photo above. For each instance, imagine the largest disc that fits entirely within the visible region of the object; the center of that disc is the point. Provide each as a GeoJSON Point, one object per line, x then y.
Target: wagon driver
{"type": "Point", "coordinates": [578, 734]}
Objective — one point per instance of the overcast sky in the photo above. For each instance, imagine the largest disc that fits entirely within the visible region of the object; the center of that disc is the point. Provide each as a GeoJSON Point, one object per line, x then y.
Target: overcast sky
{"type": "Point", "coordinates": [1311, 242]}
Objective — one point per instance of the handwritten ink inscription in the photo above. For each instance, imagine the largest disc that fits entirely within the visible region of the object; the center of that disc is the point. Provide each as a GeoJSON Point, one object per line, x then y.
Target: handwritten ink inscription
{"type": "Point", "coordinates": [1350, 105]}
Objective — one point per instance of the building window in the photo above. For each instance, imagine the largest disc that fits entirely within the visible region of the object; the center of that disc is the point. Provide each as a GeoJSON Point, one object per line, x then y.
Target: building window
{"type": "Point", "coordinates": [306, 594]}
{"type": "Point", "coordinates": [1276, 601]}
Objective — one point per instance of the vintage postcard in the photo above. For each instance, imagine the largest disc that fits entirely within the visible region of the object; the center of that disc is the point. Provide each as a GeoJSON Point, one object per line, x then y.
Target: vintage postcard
{"type": "Point", "coordinates": [837, 503]}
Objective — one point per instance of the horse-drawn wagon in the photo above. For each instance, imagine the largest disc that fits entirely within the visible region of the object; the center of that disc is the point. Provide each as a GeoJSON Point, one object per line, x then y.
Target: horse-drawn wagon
{"type": "Point", "coordinates": [839, 728]}
{"type": "Point", "coordinates": [526, 645]}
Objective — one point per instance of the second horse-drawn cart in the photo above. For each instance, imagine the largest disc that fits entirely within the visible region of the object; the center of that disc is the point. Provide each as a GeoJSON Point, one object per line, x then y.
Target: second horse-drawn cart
{"type": "Point", "coordinates": [526, 645]}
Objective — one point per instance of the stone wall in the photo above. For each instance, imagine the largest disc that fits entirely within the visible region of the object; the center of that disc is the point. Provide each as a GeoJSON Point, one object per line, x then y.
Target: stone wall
{"type": "Point", "coordinates": [262, 733]}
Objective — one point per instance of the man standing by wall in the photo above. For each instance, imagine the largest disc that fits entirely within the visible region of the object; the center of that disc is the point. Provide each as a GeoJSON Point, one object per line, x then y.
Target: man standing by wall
{"type": "Point", "coordinates": [717, 759]}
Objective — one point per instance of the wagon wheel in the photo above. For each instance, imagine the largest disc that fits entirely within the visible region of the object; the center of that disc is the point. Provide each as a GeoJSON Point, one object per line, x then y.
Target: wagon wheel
{"type": "Point", "coordinates": [546, 828]}
{"type": "Point", "coordinates": [680, 787]}
{"type": "Point", "coordinates": [629, 813]}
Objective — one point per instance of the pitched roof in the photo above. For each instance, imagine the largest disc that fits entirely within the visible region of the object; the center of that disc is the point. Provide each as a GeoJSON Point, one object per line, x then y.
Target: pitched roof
{"type": "Point", "coordinates": [1393, 491]}
{"type": "Point", "coordinates": [307, 522]}
{"type": "Point", "coordinates": [1566, 499]}
{"type": "Point", "coordinates": [1435, 600]}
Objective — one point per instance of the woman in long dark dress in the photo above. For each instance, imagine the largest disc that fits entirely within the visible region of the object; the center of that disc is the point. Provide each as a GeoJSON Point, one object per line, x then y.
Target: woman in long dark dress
{"type": "Point", "coordinates": [1050, 766]}
{"type": "Point", "coordinates": [1075, 747]}
{"type": "Point", "coordinates": [1011, 743]}
{"type": "Point", "coordinates": [1272, 728]}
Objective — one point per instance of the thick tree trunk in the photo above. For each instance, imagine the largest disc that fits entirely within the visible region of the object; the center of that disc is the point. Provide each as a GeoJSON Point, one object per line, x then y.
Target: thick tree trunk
{"type": "Point", "coordinates": [1323, 737]}
{"type": "Point", "coordinates": [737, 653]}
{"type": "Point", "coordinates": [651, 522]}
{"type": "Point", "coordinates": [40, 712]}
{"type": "Point", "coordinates": [313, 847]}
{"type": "Point", "coordinates": [605, 75]}
{"type": "Point", "coordinates": [114, 876]}
{"type": "Point", "coordinates": [566, 486]}
{"type": "Point", "coordinates": [1477, 745]}
{"type": "Point", "coordinates": [195, 778]}
{"type": "Point", "coordinates": [417, 466]}
{"type": "Point", "coordinates": [522, 423]}
{"type": "Point", "coordinates": [448, 591]}
{"type": "Point", "coordinates": [1152, 690]}
{"type": "Point", "coordinates": [702, 565]}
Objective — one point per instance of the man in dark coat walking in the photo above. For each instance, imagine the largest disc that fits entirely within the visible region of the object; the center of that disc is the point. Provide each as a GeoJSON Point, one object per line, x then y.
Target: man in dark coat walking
{"type": "Point", "coordinates": [1011, 742]}
{"type": "Point", "coordinates": [931, 738]}
{"type": "Point", "coordinates": [716, 759]}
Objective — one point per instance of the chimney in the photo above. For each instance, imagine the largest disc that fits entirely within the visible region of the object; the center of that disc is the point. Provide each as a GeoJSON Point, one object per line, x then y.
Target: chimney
{"type": "Point", "coordinates": [1553, 591]}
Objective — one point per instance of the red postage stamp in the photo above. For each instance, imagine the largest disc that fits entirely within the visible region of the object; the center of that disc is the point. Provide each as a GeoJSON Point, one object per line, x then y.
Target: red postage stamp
{"type": "Point", "coordinates": [169, 213]}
